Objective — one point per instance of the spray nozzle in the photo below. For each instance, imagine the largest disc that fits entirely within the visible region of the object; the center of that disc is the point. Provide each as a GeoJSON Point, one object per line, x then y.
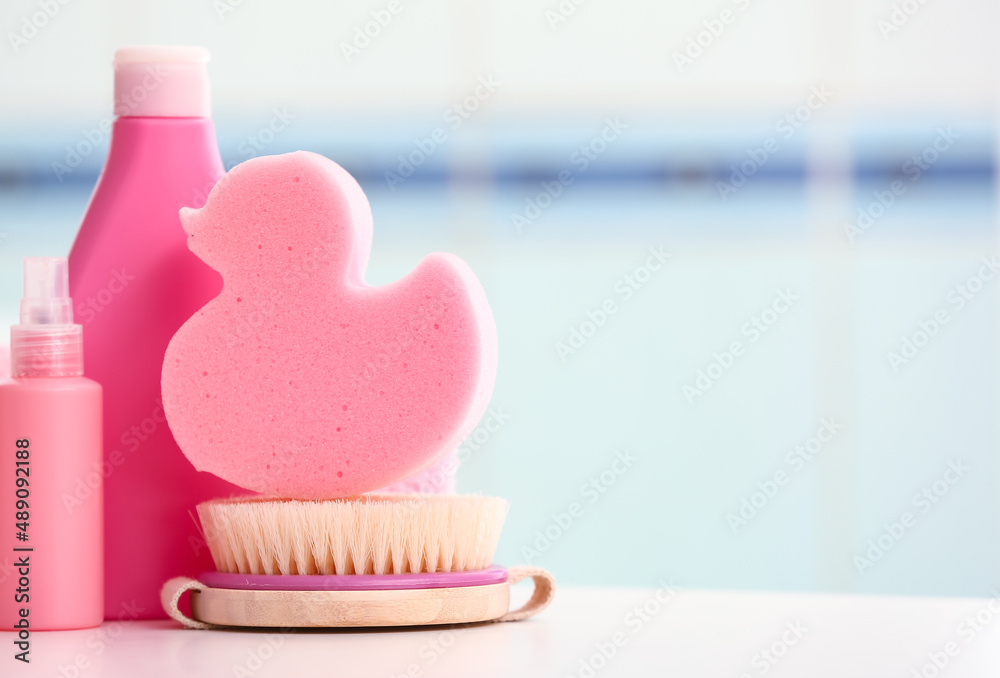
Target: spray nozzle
{"type": "Point", "coordinates": [46, 298]}
{"type": "Point", "coordinates": [46, 343]}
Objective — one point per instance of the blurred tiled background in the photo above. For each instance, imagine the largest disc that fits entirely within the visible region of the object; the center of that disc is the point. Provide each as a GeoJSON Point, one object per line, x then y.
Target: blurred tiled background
{"type": "Point", "coordinates": [823, 104]}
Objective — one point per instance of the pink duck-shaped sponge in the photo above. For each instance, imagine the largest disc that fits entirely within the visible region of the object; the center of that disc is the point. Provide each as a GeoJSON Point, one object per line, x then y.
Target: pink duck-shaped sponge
{"type": "Point", "coordinates": [299, 380]}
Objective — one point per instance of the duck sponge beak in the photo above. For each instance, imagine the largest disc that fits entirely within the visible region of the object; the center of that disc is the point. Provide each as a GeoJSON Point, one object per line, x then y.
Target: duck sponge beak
{"type": "Point", "coordinates": [189, 219]}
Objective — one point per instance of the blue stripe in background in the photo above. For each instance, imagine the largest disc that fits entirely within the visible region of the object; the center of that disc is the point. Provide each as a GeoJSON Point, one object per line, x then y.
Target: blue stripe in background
{"type": "Point", "coordinates": [651, 157]}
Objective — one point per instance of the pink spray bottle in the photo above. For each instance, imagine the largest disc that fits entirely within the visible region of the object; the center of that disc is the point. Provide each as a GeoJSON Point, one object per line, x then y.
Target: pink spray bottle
{"type": "Point", "coordinates": [134, 282]}
{"type": "Point", "coordinates": [50, 447]}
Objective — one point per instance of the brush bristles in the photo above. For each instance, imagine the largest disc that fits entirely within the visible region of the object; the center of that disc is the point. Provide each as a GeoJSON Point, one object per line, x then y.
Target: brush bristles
{"type": "Point", "coordinates": [372, 534]}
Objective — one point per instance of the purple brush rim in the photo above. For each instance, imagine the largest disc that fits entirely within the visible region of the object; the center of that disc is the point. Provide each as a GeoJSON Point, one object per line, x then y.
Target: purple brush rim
{"type": "Point", "coordinates": [353, 582]}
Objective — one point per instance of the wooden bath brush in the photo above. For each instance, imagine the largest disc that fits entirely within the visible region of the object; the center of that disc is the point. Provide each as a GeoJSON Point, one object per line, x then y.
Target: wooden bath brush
{"type": "Point", "coordinates": [390, 560]}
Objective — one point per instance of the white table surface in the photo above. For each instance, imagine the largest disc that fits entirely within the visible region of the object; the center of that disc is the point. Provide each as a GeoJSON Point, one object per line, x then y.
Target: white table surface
{"type": "Point", "coordinates": [695, 633]}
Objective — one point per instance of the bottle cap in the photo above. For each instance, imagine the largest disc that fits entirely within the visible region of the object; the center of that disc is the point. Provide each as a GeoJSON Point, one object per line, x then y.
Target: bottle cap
{"type": "Point", "coordinates": [46, 343]}
{"type": "Point", "coordinates": [46, 292]}
{"type": "Point", "coordinates": [162, 82]}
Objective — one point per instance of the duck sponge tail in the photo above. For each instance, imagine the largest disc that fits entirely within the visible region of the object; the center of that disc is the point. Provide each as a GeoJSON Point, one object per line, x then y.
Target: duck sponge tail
{"type": "Point", "coordinates": [300, 380]}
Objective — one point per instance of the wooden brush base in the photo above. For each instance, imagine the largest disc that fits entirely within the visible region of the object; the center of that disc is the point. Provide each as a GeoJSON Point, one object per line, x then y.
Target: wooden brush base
{"type": "Point", "coordinates": [217, 607]}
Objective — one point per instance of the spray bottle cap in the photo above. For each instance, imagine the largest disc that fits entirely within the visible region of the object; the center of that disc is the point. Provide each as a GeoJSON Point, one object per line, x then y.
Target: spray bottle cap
{"type": "Point", "coordinates": [46, 292]}
{"type": "Point", "coordinates": [46, 343]}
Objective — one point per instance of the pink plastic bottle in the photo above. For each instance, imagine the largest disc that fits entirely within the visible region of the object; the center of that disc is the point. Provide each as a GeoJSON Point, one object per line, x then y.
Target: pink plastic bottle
{"type": "Point", "coordinates": [50, 447]}
{"type": "Point", "coordinates": [134, 282]}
